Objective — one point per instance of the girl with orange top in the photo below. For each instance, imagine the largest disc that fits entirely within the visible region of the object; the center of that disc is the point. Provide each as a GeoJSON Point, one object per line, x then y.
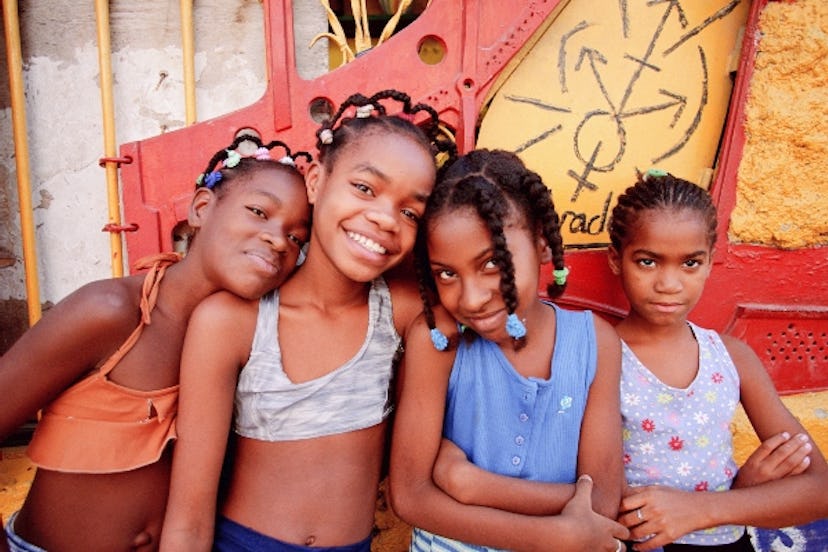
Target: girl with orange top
{"type": "Point", "coordinates": [103, 364]}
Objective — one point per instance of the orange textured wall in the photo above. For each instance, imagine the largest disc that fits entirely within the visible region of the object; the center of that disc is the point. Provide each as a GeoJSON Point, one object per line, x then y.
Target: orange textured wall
{"type": "Point", "coordinates": [782, 188]}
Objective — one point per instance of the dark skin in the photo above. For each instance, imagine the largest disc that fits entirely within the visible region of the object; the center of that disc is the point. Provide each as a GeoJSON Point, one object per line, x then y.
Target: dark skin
{"type": "Point", "coordinates": [663, 266]}
{"type": "Point", "coordinates": [433, 485]}
{"type": "Point", "coordinates": [255, 219]}
{"type": "Point", "coordinates": [76, 336]}
{"type": "Point", "coordinates": [318, 491]}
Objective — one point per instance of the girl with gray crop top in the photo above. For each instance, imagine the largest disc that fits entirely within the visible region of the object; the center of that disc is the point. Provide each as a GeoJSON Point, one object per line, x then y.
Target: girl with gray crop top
{"type": "Point", "coordinates": [307, 369]}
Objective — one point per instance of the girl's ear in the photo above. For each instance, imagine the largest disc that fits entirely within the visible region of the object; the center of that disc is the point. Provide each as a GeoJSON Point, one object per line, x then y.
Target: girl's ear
{"type": "Point", "coordinates": [203, 199]}
{"type": "Point", "coordinates": [614, 260]}
{"type": "Point", "coordinates": [544, 251]}
{"type": "Point", "coordinates": [313, 177]}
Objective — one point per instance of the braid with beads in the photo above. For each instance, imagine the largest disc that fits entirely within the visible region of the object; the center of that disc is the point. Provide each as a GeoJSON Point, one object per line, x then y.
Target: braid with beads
{"type": "Point", "coordinates": [497, 185]}
{"type": "Point", "coordinates": [658, 190]}
{"type": "Point", "coordinates": [232, 165]}
{"type": "Point", "coordinates": [370, 115]}
{"type": "Point", "coordinates": [540, 199]}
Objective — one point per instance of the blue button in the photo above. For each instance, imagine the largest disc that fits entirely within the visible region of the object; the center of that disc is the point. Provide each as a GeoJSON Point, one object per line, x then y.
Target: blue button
{"type": "Point", "coordinates": [519, 440]}
{"type": "Point", "coordinates": [523, 416]}
{"type": "Point", "coordinates": [515, 460]}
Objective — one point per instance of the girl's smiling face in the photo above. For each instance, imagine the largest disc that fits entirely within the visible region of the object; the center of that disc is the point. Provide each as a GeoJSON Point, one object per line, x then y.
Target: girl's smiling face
{"type": "Point", "coordinates": [664, 265]}
{"type": "Point", "coordinates": [255, 228]}
{"type": "Point", "coordinates": [460, 251]}
{"type": "Point", "coordinates": [367, 207]}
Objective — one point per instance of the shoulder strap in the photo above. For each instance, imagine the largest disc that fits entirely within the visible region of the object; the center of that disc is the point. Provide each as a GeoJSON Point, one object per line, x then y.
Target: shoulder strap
{"type": "Point", "coordinates": [157, 265]}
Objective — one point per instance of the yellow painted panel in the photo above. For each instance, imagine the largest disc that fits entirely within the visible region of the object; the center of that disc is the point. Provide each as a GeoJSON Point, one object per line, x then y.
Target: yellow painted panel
{"type": "Point", "coordinates": [811, 409]}
{"type": "Point", "coordinates": [614, 86]}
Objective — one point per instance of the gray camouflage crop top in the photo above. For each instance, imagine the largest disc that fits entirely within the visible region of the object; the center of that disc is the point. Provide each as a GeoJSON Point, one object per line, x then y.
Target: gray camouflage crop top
{"type": "Point", "coordinates": [270, 407]}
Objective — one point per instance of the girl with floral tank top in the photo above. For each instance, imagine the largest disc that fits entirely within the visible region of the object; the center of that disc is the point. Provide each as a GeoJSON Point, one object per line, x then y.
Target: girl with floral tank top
{"type": "Point", "coordinates": [681, 384]}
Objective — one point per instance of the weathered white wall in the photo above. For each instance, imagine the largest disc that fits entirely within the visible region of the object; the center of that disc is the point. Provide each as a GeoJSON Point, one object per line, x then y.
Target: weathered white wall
{"type": "Point", "coordinates": [65, 129]}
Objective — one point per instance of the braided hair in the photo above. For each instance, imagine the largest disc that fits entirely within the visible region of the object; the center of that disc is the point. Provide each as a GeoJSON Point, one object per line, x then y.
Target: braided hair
{"type": "Point", "coordinates": [658, 190]}
{"type": "Point", "coordinates": [228, 165]}
{"type": "Point", "coordinates": [370, 116]}
{"type": "Point", "coordinates": [232, 165]}
{"type": "Point", "coordinates": [496, 185]}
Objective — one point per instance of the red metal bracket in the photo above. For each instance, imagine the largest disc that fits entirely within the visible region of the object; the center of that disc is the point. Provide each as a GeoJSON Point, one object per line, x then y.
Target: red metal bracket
{"type": "Point", "coordinates": [118, 228]}
{"type": "Point", "coordinates": [125, 160]}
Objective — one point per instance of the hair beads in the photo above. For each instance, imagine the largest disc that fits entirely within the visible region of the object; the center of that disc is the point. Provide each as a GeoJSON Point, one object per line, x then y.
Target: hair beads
{"type": "Point", "coordinates": [228, 164]}
{"type": "Point", "coordinates": [369, 115]}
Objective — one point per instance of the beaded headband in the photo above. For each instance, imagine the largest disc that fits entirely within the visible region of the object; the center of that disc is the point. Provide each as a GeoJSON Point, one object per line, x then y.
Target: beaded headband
{"type": "Point", "coordinates": [210, 179]}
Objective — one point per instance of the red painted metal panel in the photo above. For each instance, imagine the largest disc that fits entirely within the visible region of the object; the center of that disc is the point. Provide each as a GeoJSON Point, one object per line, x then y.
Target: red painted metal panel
{"type": "Point", "coordinates": [480, 38]}
{"type": "Point", "coordinates": [794, 344]}
{"type": "Point", "coordinates": [754, 291]}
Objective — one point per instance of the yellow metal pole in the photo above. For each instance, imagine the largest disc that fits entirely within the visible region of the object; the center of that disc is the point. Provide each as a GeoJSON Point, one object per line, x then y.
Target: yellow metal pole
{"type": "Point", "coordinates": [107, 105]}
{"type": "Point", "coordinates": [14, 57]}
{"type": "Point", "coordinates": [188, 53]}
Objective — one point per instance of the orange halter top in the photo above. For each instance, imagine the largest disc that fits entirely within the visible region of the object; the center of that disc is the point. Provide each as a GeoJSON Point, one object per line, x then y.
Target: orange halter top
{"type": "Point", "coordinates": [97, 426]}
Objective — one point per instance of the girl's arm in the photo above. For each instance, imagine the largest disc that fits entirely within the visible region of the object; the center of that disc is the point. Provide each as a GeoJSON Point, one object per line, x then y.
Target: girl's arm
{"type": "Point", "coordinates": [780, 456]}
{"type": "Point", "coordinates": [599, 453]}
{"type": "Point", "coordinates": [218, 342]}
{"type": "Point", "coordinates": [417, 499]}
{"type": "Point", "coordinates": [468, 483]}
{"type": "Point", "coordinates": [792, 500]}
{"type": "Point", "coordinates": [72, 338]}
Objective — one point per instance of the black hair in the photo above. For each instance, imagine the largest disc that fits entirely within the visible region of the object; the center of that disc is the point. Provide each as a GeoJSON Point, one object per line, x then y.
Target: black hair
{"type": "Point", "coordinates": [217, 179]}
{"type": "Point", "coordinates": [496, 185]}
{"type": "Point", "coordinates": [659, 191]}
{"type": "Point", "coordinates": [432, 135]}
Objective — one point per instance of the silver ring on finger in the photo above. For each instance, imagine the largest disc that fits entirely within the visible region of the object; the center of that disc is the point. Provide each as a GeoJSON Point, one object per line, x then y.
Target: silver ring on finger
{"type": "Point", "coordinates": [619, 546]}
{"type": "Point", "coordinates": [639, 515]}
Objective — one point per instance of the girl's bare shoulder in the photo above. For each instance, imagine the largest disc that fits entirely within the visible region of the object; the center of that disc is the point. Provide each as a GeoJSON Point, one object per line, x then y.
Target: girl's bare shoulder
{"type": "Point", "coordinates": [110, 305]}
{"type": "Point", "coordinates": [407, 302]}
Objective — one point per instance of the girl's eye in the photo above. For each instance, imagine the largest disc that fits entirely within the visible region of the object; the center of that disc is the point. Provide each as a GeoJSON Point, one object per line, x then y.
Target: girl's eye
{"type": "Point", "coordinates": [646, 262]}
{"type": "Point", "coordinates": [692, 263]}
{"type": "Point", "coordinates": [411, 214]}
{"type": "Point", "coordinates": [258, 212]}
{"type": "Point", "coordinates": [443, 275]}
{"type": "Point", "coordinates": [364, 188]}
{"type": "Point", "coordinates": [491, 265]}
{"type": "Point", "coordinates": [296, 240]}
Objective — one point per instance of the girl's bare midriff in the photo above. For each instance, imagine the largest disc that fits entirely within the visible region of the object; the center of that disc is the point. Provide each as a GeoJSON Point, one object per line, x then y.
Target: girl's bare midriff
{"type": "Point", "coordinates": [66, 511]}
{"type": "Point", "coordinates": [314, 492]}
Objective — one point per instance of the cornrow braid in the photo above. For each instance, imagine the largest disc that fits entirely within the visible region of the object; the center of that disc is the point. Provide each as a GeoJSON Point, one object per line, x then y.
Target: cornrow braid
{"type": "Point", "coordinates": [428, 288]}
{"type": "Point", "coordinates": [497, 185]}
{"type": "Point", "coordinates": [492, 209]}
{"type": "Point", "coordinates": [425, 280]}
{"type": "Point", "coordinates": [540, 199]}
{"type": "Point", "coordinates": [370, 115]}
{"type": "Point", "coordinates": [228, 164]}
{"type": "Point", "coordinates": [655, 191]}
